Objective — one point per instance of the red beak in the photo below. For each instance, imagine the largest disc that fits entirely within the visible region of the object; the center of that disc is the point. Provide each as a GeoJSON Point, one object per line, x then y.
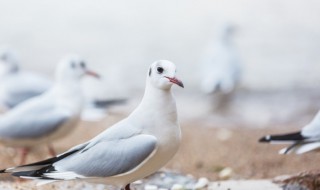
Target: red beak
{"type": "Point", "coordinates": [176, 81]}
{"type": "Point", "coordinates": [91, 73]}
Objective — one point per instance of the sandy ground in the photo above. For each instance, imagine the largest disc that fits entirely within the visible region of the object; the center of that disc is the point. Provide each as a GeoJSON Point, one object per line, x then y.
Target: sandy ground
{"type": "Point", "coordinates": [211, 142]}
{"type": "Point", "coordinates": [221, 185]}
{"type": "Point", "coordinates": [204, 152]}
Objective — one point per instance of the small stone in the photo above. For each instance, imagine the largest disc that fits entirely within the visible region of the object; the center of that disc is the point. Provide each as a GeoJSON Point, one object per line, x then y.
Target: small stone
{"type": "Point", "coordinates": [226, 173]}
{"type": "Point", "coordinates": [163, 175]}
{"type": "Point", "coordinates": [202, 183]}
{"type": "Point", "coordinates": [138, 182]}
{"type": "Point", "coordinates": [224, 134]}
{"type": "Point", "coordinates": [150, 187]}
{"type": "Point", "coordinates": [177, 187]}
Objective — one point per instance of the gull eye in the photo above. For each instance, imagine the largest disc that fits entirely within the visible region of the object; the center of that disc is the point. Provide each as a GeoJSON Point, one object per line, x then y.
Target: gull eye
{"type": "Point", "coordinates": [82, 64]}
{"type": "Point", "coordinates": [160, 70]}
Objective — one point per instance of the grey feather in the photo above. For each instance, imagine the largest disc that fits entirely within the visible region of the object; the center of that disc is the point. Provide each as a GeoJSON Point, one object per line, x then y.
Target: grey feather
{"type": "Point", "coordinates": [19, 96]}
{"type": "Point", "coordinates": [31, 123]}
{"type": "Point", "coordinates": [109, 158]}
{"type": "Point", "coordinates": [21, 86]}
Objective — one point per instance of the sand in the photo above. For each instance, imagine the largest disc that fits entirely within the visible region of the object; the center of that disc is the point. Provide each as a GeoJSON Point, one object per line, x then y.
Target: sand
{"type": "Point", "coordinates": [204, 153]}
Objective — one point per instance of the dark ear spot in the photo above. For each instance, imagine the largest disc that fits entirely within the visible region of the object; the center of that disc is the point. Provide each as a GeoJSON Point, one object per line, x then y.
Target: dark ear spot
{"type": "Point", "coordinates": [149, 72]}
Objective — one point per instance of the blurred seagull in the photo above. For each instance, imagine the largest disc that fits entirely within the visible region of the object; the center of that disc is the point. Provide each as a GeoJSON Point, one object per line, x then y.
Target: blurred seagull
{"type": "Point", "coordinates": [16, 85]}
{"type": "Point", "coordinates": [221, 67]}
{"type": "Point", "coordinates": [131, 149]}
{"type": "Point", "coordinates": [50, 116]}
{"type": "Point", "coordinates": [303, 141]}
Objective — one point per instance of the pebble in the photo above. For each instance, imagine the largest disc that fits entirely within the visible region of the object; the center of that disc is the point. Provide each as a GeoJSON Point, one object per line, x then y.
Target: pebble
{"type": "Point", "coordinates": [224, 134]}
{"type": "Point", "coordinates": [202, 183]}
{"type": "Point", "coordinates": [177, 187]}
{"type": "Point", "coordinates": [226, 173]}
{"type": "Point", "coordinates": [166, 180]}
{"type": "Point", "coordinates": [150, 187]}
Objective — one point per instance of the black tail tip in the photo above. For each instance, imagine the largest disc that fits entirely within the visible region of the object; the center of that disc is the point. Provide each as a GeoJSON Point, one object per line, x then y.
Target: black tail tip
{"type": "Point", "coordinates": [19, 174]}
{"type": "Point", "coordinates": [265, 139]}
{"type": "Point", "coordinates": [3, 171]}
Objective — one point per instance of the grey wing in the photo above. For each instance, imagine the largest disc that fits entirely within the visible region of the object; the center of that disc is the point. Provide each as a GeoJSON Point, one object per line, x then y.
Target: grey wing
{"type": "Point", "coordinates": [32, 123]}
{"type": "Point", "coordinates": [24, 86]}
{"type": "Point", "coordinates": [17, 97]}
{"type": "Point", "coordinates": [107, 158]}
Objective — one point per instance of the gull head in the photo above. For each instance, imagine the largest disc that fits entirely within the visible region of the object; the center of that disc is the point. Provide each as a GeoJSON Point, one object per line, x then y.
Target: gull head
{"type": "Point", "coordinates": [73, 68]}
{"type": "Point", "coordinates": [162, 75]}
{"type": "Point", "coordinates": [8, 60]}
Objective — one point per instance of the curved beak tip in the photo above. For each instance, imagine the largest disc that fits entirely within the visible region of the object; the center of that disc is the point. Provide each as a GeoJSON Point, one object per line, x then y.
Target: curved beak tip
{"type": "Point", "coordinates": [179, 83]}
{"type": "Point", "coordinates": [176, 81]}
{"type": "Point", "coordinates": [92, 73]}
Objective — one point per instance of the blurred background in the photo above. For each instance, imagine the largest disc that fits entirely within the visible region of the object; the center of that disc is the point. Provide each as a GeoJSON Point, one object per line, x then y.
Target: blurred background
{"type": "Point", "coordinates": [276, 43]}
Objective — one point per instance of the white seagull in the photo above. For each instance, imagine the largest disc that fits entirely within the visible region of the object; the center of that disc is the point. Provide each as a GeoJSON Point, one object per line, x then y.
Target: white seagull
{"type": "Point", "coordinates": [305, 140]}
{"type": "Point", "coordinates": [50, 116]}
{"type": "Point", "coordinates": [131, 149]}
{"type": "Point", "coordinates": [17, 85]}
{"type": "Point", "coordinates": [221, 66]}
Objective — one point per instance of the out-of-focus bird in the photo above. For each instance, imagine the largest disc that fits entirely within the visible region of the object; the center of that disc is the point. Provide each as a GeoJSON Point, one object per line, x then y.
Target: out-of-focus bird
{"type": "Point", "coordinates": [17, 85]}
{"type": "Point", "coordinates": [305, 140]}
{"type": "Point", "coordinates": [131, 149]}
{"type": "Point", "coordinates": [50, 116]}
{"type": "Point", "coordinates": [221, 66]}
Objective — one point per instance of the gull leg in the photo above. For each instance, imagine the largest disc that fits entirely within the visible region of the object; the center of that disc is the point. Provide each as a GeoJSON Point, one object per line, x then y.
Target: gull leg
{"type": "Point", "coordinates": [51, 150]}
{"type": "Point", "coordinates": [24, 153]}
{"type": "Point", "coordinates": [127, 187]}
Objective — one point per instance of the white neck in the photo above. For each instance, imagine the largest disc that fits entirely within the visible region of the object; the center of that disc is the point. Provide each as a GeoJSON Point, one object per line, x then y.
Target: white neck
{"type": "Point", "coordinates": [158, 101]}
{"type": "Point", "coordinates": [69, 95]}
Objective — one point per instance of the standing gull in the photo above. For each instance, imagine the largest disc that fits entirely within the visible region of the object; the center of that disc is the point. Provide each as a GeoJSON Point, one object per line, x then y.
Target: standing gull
{"type": "Point", "coordinates": [50, 116]}
{"type": "Point", "coordinates": [131, 149]}
{"type": "Point", "coordinates": [221, 68]}
{"type": "Point", "coordinates": [305, 140]}
{"type": "Point", "coordinates": [17, 85]}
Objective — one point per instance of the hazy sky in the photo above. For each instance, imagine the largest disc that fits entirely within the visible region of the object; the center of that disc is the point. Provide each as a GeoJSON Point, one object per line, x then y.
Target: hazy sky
{"type": "Point", "coordinates": [278, 40]}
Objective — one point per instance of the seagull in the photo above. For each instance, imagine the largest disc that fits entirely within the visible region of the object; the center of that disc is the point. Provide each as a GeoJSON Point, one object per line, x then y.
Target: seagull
{"type": "Point", "coordinates": [129, 150]}
{"type": "Point", "coordinates": [50, 116]}
{"type": "Point", "coordinates": [305, 140]}
{"type": "Point", "coordinates": [17, 85]}
{"type": "Point", "coordinates": [221, 66]}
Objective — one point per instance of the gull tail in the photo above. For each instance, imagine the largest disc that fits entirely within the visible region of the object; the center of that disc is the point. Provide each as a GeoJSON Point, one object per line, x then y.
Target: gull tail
{"type": "Point", "coordinates": [38, 170]}
{"type": "Point", "coordinates": [107, 103]}
{"type": "Point", "coordinates": [285, 138]}
{"type": "Point", "coordinates": [37, 165]}
{"type": "Point", "coordinates": [300, 148]}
